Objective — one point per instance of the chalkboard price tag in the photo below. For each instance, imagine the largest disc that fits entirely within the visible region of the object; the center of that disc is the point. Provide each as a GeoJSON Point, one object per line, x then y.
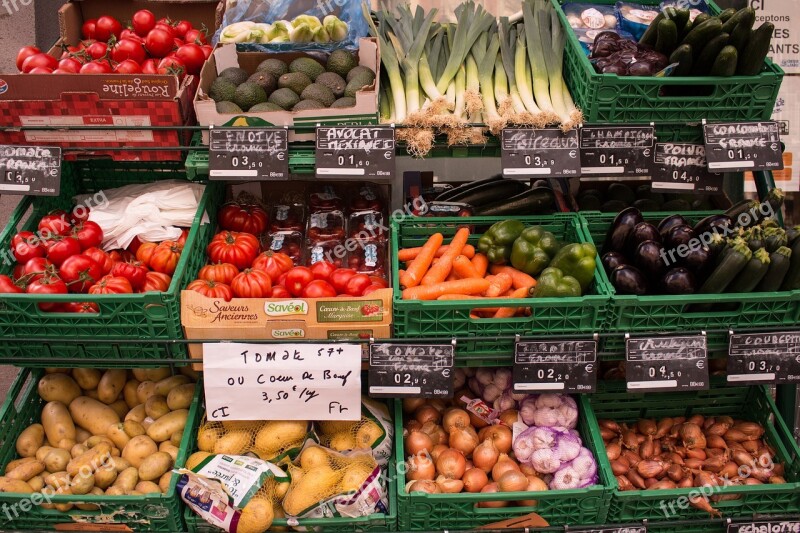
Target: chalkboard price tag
{"type": "Point", "coordinates": [617, 150]}
{"type": "Point", "coordinates": [545, 152]}
{"type": "Point", "coordinates": [773, 526]}
{"type": "Point", "coordinates": [30, 170]}
{"type": "Point", "coordinates": [564, 366]}
{"type": "Point", "coordinates": [411, 370]}
{"type": "Point", "coordinates": [764, 357]}
{"type": "Point", "coordinates": [349, 151]}
{"type": "Point", "coordinates": [666, 363]}
{"type": "Point", "coordinates": [248, 154]}
{"type": "Point", "coordinates": [634, 529]}
{"type": "Point", "coordinates": [740, 146]}
{"type": "Point", "coordinates": [681, 167]}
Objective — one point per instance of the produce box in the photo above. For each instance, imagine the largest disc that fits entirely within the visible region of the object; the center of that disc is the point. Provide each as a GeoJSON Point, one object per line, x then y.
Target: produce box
{"type": "Point", "coordinates": [610, 196]}
{"type": "Point", "coordinates": [150, 512]}
{"type": "Point", "coordinates": [608, 98]}
{"type": "Point", "coordinates": [128, 326]}
{"type": "Point", "coordinates": [364, 112]}
{"type": "Point", "coordinates": [489, 341]}
{"type": "Point", "coordinates": [748, 403]}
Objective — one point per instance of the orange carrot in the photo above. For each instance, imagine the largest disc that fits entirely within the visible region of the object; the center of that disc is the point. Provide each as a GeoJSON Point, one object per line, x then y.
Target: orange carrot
{"type": "Point", "coordinates": [451, 297]}
{"type": "Point", "coordinates": [508, 312]}
{"type": "Point", "coordinates": [498, 285]}
{"type": "Point", "coordinates": [520, 279]}
{"type": "Point", "coordinates": [419, 266]}
{"type": "Point", "coordinates": [481, 263]}
{"type": "Point", "coordinates": [452, 276]}
{"type": "Point", "coordinates": [432, 292]}
{"type": "Point", "coordinates": [409, 254]}
{"type": "Point", "coordinates": [439, 272]}
{"type": "Point", "coordinates": [464, 269]}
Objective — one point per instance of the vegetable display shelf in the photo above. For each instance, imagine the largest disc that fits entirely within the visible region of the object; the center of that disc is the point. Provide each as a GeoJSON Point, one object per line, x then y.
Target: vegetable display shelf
{"type": "Point", "coordinates": [127, 323]}
{"type": "Point", "coordinates": [150, 512]}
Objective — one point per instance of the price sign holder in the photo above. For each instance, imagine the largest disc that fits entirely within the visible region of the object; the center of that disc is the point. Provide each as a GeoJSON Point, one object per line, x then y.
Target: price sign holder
{"type": "Point", "coordinates": [740, 146]}
{"type": "Point", "coordinates": [558, 365]}
{"type": "Point", "coordinates": [617, 150]}
{"type": "Point", "coordinates": [411, 370]}
{"type": "Point", "coordinates": [621, 529]}
{"type": "Point", "coordinates": [681, 167]}
{"type": "Point", "coordinates": [30, 170]}
{"type": "Point", "coordinates": [764, 357]}
{"type": "Point", "coordinates": [248, 154]}
{"type": "Point", "coordinates": [540, 152]}
{"type": "Point", "coordinates": [766, 526]}
{"type": "Point", "coordinates": [355, 151]}
{"type": "Point", "coordinates": [675, 363]}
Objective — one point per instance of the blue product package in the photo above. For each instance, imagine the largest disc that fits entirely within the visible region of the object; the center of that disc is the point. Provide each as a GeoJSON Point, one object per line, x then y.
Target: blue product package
{"type": "Point", "coordinates": [695, 7]}
{"type": "Point", "coordinates": [590, 16]}
{"type": "Point", "coordinates": [635, 18]}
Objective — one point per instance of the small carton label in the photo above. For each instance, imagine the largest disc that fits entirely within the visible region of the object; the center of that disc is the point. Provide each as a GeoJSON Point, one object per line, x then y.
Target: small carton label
{"type": "Point", "coordinates": [289, 333]}
{"type": "Point", "coordinates": [286, 308]}
{"type": "Point", "coordinates": [350, 311]}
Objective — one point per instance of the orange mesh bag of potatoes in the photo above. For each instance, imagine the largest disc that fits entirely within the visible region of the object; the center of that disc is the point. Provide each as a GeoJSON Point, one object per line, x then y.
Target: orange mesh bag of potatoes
{"type": "Point", "coordinates": [270, 440]}
{"type": "Point", "coordinates": [372, 432]}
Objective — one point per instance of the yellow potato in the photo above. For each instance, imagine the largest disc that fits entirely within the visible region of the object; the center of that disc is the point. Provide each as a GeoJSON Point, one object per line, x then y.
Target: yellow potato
{"type": "Point", "coordinates": [136, 414]}
{"type": "Point", "coordinates": [147, 422]}
{"type": "Point", "coordinates": [105, 476]}
{"type": "Point", "coordinates": [275, 435]}
{"type": "Point", "coordinates": [87, 378]}
{"type": "Point", "coordinates": [81, 435]}
{"type": "Point", "coordinates": [92, 415]}
{"type": "Point", "coordinates": [14, 485]}
{"type": "Point", "coordinates": [164, 427]}
{"type": "Point", "coordinates": [156, 406]}
{"type": "Point", "coordinates": [119, 463]}
{"type": "Point", "coordinates": [57, 479]}
{"type": "Point", "coordinates": [181, 396]}
{"type": "Point", "coordinates": [233, 443]}
{"type": "Point", "coordinates": [195, 459]}
{"type": "Point", "coordinates": [256, 517]}
{"type": "Point", "coordinates": [96, 491]}
{"type": "Point", "coordinates": [94, 440]}
{"type": "Point", "coordinates": [116, 433]}
{"type": "Point", "coordinates": [42, 452]}
{"type": "Point", "coordinates": [57, 460]}
{"type": "Point", "coordinates": [129, 393]}
{"type": "Point", "coordinates": [138, 449]}
{"type": "Point", "coordinates": [78, 450]}
{"type": "Point", "coordinates": [36, 483]}
{"type": "Point", "coordinates": [147, 487]}
{"type": "Point", "coordinates": [111, 384]}
{"type": "Point", "coordinates": [313, 457]}
{"type": "Point", "coordinates": [133, 428]}
{"type": "Point", "coordinates": [58, 424]}
{"type": "Point", "coordinates": [120, 407]}
{"type": "Point", "coordinates": [176, 438]}
{"type": "Point", "coordinates": [19, 462]}
{"type": "Point", "coordinates": [92, 393]}
{"type": "Point", "coordinates": [127, 479]}
{"type": "Point", "coordinates": [81, 484]}
{"type": "Point", "coordinates": [30, 440]}
{"type": "Point", "coordinates": [145, 390]}
{"type": "Point", "coordinates": [58, 388]}
{"type": "Point", "coordinates": [164, 481]}
{"type": "Point", "coordinates": [207, 438]}
{"type": "Point", "coordinates": [26, 471]}
{"type": "Point", "coordinates": [113, 490]}
{"type": "Point", "coordinates": [164, 386]}
{"type": "Point", "coordinates": [90, 460]}
{"type": "Point", "coordinates": [155, 465]}
{"type": "Point", "coordinates": [168, 447]}
{"type": "Point", "coordinates": [152, 374]}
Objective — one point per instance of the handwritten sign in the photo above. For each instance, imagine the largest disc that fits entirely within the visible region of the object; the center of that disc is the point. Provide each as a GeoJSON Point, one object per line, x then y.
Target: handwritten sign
{"type": "Point", "coordinates": [682, 167]}
{"type": "Point", "coordinates": [740, 146]}
{"type": "Point", "coordinates": [363, 151]}
{"type": "Point", "coordinates": [252, 154]}
{"type": "Point", "coordinates": [30, 170]}
{"type": "Point", "coordinates": [635, 529]}
{"type": "Point", "coordinates": [774, 526]}
{"type": "Point", "coordinates": [566, 366]}
{"type": "Point", "coordinates": [666, 363]}
{"type": "Point", "coordinates": [411, 370]}
{"type": "Point", "coordinates": [617, 150]}
{"type": "Point", "coordinates": [764, 357]}
{"type": "Point", "coordinates": [282, 381]}
{"type": "Point", "coordinates": [546, 152]}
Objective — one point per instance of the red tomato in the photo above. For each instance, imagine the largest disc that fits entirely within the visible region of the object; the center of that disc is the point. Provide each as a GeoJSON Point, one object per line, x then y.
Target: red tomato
{"type": "Point", "coordinates": [251, 283]}
{"type": "Point", "coordinates": [56, 223]}
{"type": "Point", "coordinates": [25, 245]}
{"type": "Point", "coordinates": [101, 258]}
{"type": "Point", "coordinates": [236, 248]}
{"type": "Point", "coordinates": [130, 34]}
{"type": "Point", "coordinates": [106, 27]}
{"type": "Point", "coordinates": [166, 26]}
{"type": "Point", "coordinates": [322, 270]}
{"type": "Point", "coordinates": [47, 285]}
{"type": "Point", "coordinates": [89, 29]}
{"type": "Point", "coordinates": [89, 234]}
{"type": "Point", "coordinates": [80, 307]}
{"type": "Point", "coordinates": [150, 66]}
{"type": "Point", "coordinates": [7, 286]}
{"type": "Point", "coordinates": [207, 49]}
{"type": "Point", "coordinates": [372, 287]}
{"type": "Point", "coordinates": [319, 289]}
{"type": "Point", "coordinates": [121, 255]}
{"type": "Point", "coordinates": [111, 285]}
{"type": "Point", "coordinates": [143, 21]}
{"type": "Point", "coordinates": [195, 36]}
{"type": "Point", "coordinates": [171, 65]}
{"type": "Point", "coordinates": [129, 66]}
{"type": "Point", "coordinates": [24, 53]}
{"type": "Point", "coordinates": [165, 257]}
{"type": "Point", "coordinates": [282, 279]}
{"type": "Point", "coordinates": [279, 291]}
{"type": "Point", "coordinates": [193, 57]}
{"type": "Point", "coordinates": [297, 279]}
{"type": "Point", "coordinates": [378, 280]}
{"type": "Point", "coordinates": [39, 60]}
{"type": "Point", "coordinates": [211, 289]}
{"type": "Point", "coordinates": [61, 248]}
{"type": "Point", "coordinates": [36, 268]}
{"type": "Point", "coordinates": [181, 27]}
{"type": "Point", "coordinates": [221, 272]}
{"type": "Point", "coordinates": [273, 263]}
{"type": "Point", "coordinates": [70, 65]}
{"type": "Point", "coordinates": [340, 277]}
{"type": "Point", "coordinates": [80, 272]}
{"type": "Point", "coordinates": [56, 71]}
{"type": "Point", "coordinates": [144, 252]}
{"type": "Point", "coordinates": [45, 70]}
{"type": "Point", "coordinates": [98, 50]}
{"type": "Point", "coordinates": [96, 67]}
{"type": "Point", "coordinates": [134, 271]}
{"type": "Point", "coordinates": [18, 271]}
{"type": "Point", "coordinates": [156, 282]}
{"type": "Point", "coordinates": [356, 285]}
{"type": "Point", "coordinates": [184, 235]}
{"type": "Point", "coordinates": [242, 217]}
{"type": "Point", "coordinates": [178, 42]}
{"type": "Point", "coordinates": [127, 49]}
{"type": "Point", "coordinates": [158, 43]}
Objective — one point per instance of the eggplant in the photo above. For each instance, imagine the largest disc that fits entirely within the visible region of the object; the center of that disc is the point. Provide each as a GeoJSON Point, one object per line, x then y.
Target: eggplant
{"type": "Point", "coordinates": [722, 222]}
{"type": "Point", "coordinates": [629, 280]}
{"type": "Point", "coordinates": [678, 281]}
{"type": "Point", "coordinates": [612, 260]}
{"type": "Point", "coordinates": [643, 231]}
{"type": "Point", "coordinates": [670, 222]}
{"type": "Point", "coordinates": [650, 258]}
{"type": "Point", "coordinates": [679, 235]}
{"type": "Point", "coordinates": [622, 226]}
{"type": "Point", "coordinates": [699, 261]}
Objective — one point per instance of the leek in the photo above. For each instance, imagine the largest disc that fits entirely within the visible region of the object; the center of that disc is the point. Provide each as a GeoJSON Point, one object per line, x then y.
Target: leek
{"type": "Point", "coordinates": [485, 69]}
{"type": "Point", "coordinates": [389, 60]}
{"type": "Point", "coordinates": [500, 81]}
{"type": "Point", "coordinates": [461, 87]}
{"type": "Point", "coordinates": [536, 53]}
{"type": "Point", "coordinates": [472, 23]}
{"type": "Point", "coordinates": [508, 44]}
{"type": "Point", "coordinates": [523, 73]}
{"type": "Point", "coordinates": [555, 68]}
{"type": "Point", "coordinates": [426, 79]}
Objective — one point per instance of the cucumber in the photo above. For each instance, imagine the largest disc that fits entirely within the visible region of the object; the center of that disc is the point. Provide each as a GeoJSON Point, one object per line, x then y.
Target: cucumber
{"type": "Point", "coordinates": [740, 208]}
{"type": "Point", "coordinates": [683, 56]}
{"type": "Point", "coordinates": [534, 200]}
{"type": "Point", "coordinates": [753, 272]}
{"type": "Point", "coordinates": [448, 194]}
{"type": "Point", "coordinates": [710, 52]}
{"type": "Point", "coordinates": [792, 280]}
{"type": "Point", "coordinates": [740, 15]}
{"type": "Point", "coordinates": [726, 15]}
{"type": "Point", "coordinates": [779, 262]}
{"type": "Point", "coordinates": [741, 33]}
{"type": "Point", "coordinates": [667, 38]}
{"type": "Point", "coordinates": [752, 59]}
{"type": "Point", "coordinates": [651, 33]}
{"type": "Point", "coordinates": [774, 201]}
{"type": "Point", "coordinates": [686, 29]}
{"type": "Point", "coordinates": [725, 64]}
{"type": "Point", "coordinates": [702, 17]}
{"type": "Point", "coordinates": [728, 268]}
{"type": "Point", "coordinates": [703, 33]}
{"type": "Point", "coordinates": [489, 192]}
{"type": "Point", "coordinates": [680, 16]}
{"type": "Point", "coordinates": [774, 238]}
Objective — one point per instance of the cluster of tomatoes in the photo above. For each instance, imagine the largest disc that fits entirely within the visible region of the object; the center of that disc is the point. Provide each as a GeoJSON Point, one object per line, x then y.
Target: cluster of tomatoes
{"type": "Point", "coordinates": [148, 46]}
{"type": "Point", "coordinates": [64, 256]}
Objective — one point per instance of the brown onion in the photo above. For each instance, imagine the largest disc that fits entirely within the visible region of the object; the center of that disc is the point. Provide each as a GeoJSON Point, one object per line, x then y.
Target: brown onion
{"type": "Point", "coordinates": [427, 413]}
{"type": "Point", "coordinates": [663, 484]}
{"type": "Point", "coordinates": [630, 439]}
{"type": "Point", "coordinates": [693, 464]}
{"type": "Point", "coordinates": [418, 442]}
{"type": "Point", "coordinates": [485, 456]}
{"type": "Point", "coordinates": [632, 457]}
{"type": "Point", "coordinates": [535, 484]}
{"type": "Point", "coordinates": [663, 426]}
{"type": "Point", "coordinates": [474, 480]}
{"type": "Point", "coordinates": [412, 404]}
{"type": "Point", "coordinates": [610, 424]}
{"type": "Point", "coordinates": [741, 457]}
{"type": "Point", "coordinates": [413, 425]}
{"type": "Point", "coordinates": [777, 480]}
{"type": "Point", "coordinates": [635, 479]}
{"type": "Point", "coordinates": [423, 486]}
{"type": "Point", "coordinates": [451, 464]}
{"type": "Point", "coordinates": [618, 468]}
{"type": "Point", "coordinates": [491, 488]}
{"type": "Point", "coordinates": [435, 432]}
{"type": "Point", "coordinates": [751, 481]}
{"type": "Point", "coordinates": [706, 479]}
{"type": "Point", "coordinates": [624, 483]}
{"type": "Point", "coordinates": [734, 435]}
{"type": "Point", "coordinates": [449, 486]}
{"type": "Point", "coordinates": [500, 436]}
{"type": "Point", "coordinates": [692, 436]}
{"type": "Point", "coordinates": [420, 467]}
{"type": "Point", "coordinates": [437, 450]}
{"type": "Point", "coordinates": [751, 429]}
{"type": "Point", "coordinates": [613, 451]}
{"type": "Point", "coordinates": [714, 452]}
{"type": "Point", "coordinates": [715, 464]}
{"type": "Point", "coordinates": [647, 449]}
{"type": "Point", "coordinates": [464, 440]}
{"type": "Point", "coordinates": [455, 419]}
{"type": "Point", "coordinates": [649, 482]}
{"type": "Point", "coordinates": [708, 422]}
{"type": "Point", "coordinates": [686, 482]}
{"type": "Point", "coordinates": [477, 422]}
{"type": "Point", "coordinates": [509, 417]}
{"type": "Point", "coordinates": [650, 468]}
{"type": "Point", "coordinates": [697, 453]}
{"type": "Point", "coordinates": [512, 481]}
{"type": "Point", "coordinates": [715, 441]}
{"type": "Point", "coordinates": [646, 426]}
{"type": "Point", "coordinates": [751, 446]}
{"type": "Point", "coordinates": [697, 420]}
{"type": "Point", "coordinates": [528, 470]}
{"type": "Point", "coordinates": [674, 457]}
{"type": "Point", "coordinates": [717, 429]}
{"type": "Point", "coordinates": [607, 434]}
{"type": "Point", "coordinates": [730, 470]}
{"type": "Point", "coordinates": [503, 465]}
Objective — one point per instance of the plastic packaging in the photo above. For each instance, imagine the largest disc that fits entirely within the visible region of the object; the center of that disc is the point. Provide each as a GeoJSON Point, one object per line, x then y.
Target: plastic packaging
{"type": "Point", "coordinates": [367, 225]}
{"type": "Point", "coordinates": [590, 16]}
{"type": "Point", "coordinates": [369, 257]}
{"type": "Point", "coordinates": [331, 250]}
{"type": "Point", "coordinates": [366, 197]}
{"type": "Point", "coordinates": [635, 18]}
{"type": "Point", "coordinates": [287, 242]}
{"type": "Point", "coordinates": [695, 7]}
{"type": "Point", "coordinates": [326, 225]}
{"type": "Point", "coordinates": [325, 198]}
{"type": "Point", "coordinates": [286, 218]}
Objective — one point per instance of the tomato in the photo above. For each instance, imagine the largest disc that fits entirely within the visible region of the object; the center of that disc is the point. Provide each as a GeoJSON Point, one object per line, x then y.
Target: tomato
{"type": "Point", "coordinates": [319, 289]}
{"type": "Point", "coordinates": [24, 53]}
{"type": "Point", "coordinates": [156, 282]}
{"type": "Point", "coordinates": [129, 66]}
{"type": "Point", "coordinates": [80, 307]}
{"type": "Point", "coordinates": [134, 271]}
{"type": "Point", "coordinates": [195, 36]}
{"type": "Point", "coordinates": [7, 285]}
{"type": "Point", "coordinates": [45, 70]}
{"type": "Point", "coordinates": [101, 258]}
{"type": "Point", "coordinates": [36, 268]}
{"type": "Point", "coordinates": [356, 285]}
{"type": "Point", "coordinates": [171, 65]}
{"type": "Point", "coordinates": [322, 270]}
{"type": "Point", "coordinates": [59, 70]}
{"type": "Point", "coordinates": [236, 248]}
{"type": "Point", "coordinates": [145, 252]}
{"type": "Point", "coordinates": [60, 248]}
{"type": "Point", "coordinates": [128, 49]}
{"type": "Point", "coordinates": [121, 255]}
{"type": "Point", "coordinates": [242, 217]}
{"type": "Point", "coordinates": [107, 26]}
{"type": "Point", "coordinates": [89, 29]}
{"type": "Point", "coordinates": [282, 279]}
{"type": "Point", "coordinates": [181, 27]}
{"type": "Point", "coordinates": [251, 283]}
{"type": "Point", "coordinates": [340, 277]}
{"type": "Point", "coordinates": [97, 50]}
{"type": "Point", "coordinates": [279, 291]}
{"type": "Point", "coordinates": [378, 280]}
{"type": "Point", "coordinates": [80, 272]}
{"type": "Point", "coordinates": [143, 21]}
{"type": "Point", "coordinates": [297, 279]}
{"type": "Point", "coordinates": [55, 223]}
{"type": "Point", "coordinates": [96, 67]}
{"type": "Point", "coordinates": [182, 239]}
{"type": "Point", "coordinates": [372, 287]}
{"type": "Point", "coordinates": [211, 289]}
{"type": "Point", "coordinates": [150, 66]}
{"type": "Point", "coordinates": [111, 285]}
{"type": "Point", "coordinates": [89, 234]}
{"type": "Point", "coordinates": [131, 35]}
{"type": "Point", "coordinates": [25, 245]}
{"type": "Point", "coordinates": [70, 65]}
{"type": "Point", "coordinates": [158, 42]}
{"type": "Point", "coordinates": [39, 60]}
{"type": "Point", "coordinates": [221, 272]}
{"type": "Point", "coordinates": [193, 57]}
{"type": "Point", "coordinates": [47, 285]}
{"type": "Point", "coordinates": [273, 263]}
{"type": "Point", "coordinates": [207, 49]}
{"type": "Point", "coordinates": [165, 257]}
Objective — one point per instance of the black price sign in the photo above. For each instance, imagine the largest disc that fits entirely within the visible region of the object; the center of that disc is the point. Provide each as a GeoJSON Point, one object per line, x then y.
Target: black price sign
{"type": "Point", "coordinates": [666, 363]}
{"type": "Point", "coordinates": [773, 526]}
{"type": "Point", "coordinates": [413, 370]}
{"type": "Point", "coordinates": [249, 154]}
{"type": "Point", "coordinates": [349, 151]}
{"type": "Point", "coordinates": [764, 357]}
{"type": "Point", "coordinates": [635, 529]}
{"type": "Point", "coordinates": [565, 366]}
{"type": "Point", "coordinates": [30, 170]}
{"type": "Point", "coordinates": [681, 167]}
{"type": "Point", "coordinates": [547, 152]}
{"type": "Point", "coordinates": [740, 146]}
{"type": "Point", "coordinates": [617, 150]}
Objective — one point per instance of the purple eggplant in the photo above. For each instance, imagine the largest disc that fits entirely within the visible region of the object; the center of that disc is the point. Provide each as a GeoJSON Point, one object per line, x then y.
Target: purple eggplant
{"type": "Point", "coordinates": [679, 235]}
{"type": "Point", "coordinates": [698, 260]}
{"type": "Point", "coordinates": [629, 280]}
{"type": "Point", "coordinates": [612, 260]}
{"type": "Point", "coordinates": [649, 258]}
{"type": "Point", "coordinates": [643, 231]}
{"type": "Point", "coordinates": [678, 281]}
{"type": "Point", "coordinates": [670, 222]}
{"type": "Point", "coordinates": [623, 224]}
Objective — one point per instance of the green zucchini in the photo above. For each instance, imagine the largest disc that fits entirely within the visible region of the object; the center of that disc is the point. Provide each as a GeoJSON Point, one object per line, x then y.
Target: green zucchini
{"type": "Point", "coordinates": [738, 209]}
{"type": "Point", "coordinates": [742, 14]}
{"type": "Point", "coordinates": [727, 14]}
{"type": "Point", "coordinates": [678, 15]}
{"type": "Point", "coordinates": [751, 61]}
{"type": "Point", "coordinates": [725, 64]}
{"type": "Point", "coordinates": [774, 238]}
{"type": "Point", "coordinates": [534, 200]}
{"type": "Point", "coordinates": [667, 38]}
{"type": "Point", "coordinates": [753, 272]}
{"type": "Point", "coordinates": [726, 270]}
{"type": "Point", "coordinates": [489, 192]}
{"type": "Point", "coordinates": [792, 234]}
{"type": "Point", "coordinates": [710, 52]}
{"type": "Point", "coordinates": [702, 33]}
{"type": "Point", "coordinates": [683, 56]}
{"type": "Point", "coordinates": [769, 223]}
{"type": "Point", "coordinates": [755, 238]}
{"type": "Point", "coordinates": [741, 34]}
{"type": "Point", "coordinates": [774, 201]}
{"type": "Point", "coordinates": [792, 280]}
{"type": "Point", "coordinates": [702, 17]}
{"type": "Point", "coordinates": [651, 33]}
{"type": "Point", "coordinates": [779, 262]}
{"type": "Point", "coordinates": [447, 195]}
{"type": "Point", "coordinates": [717, 244]}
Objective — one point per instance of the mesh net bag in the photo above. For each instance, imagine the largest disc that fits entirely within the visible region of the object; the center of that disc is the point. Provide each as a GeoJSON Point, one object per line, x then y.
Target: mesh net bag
{"type": "Point", "coordinates": [270, 440]}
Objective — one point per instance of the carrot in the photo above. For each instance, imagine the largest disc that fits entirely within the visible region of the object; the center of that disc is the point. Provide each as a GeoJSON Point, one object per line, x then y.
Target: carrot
{"type": "Point", "coordinates": [452, 276]}
{"type": "Point", "coordinates": [498, 285]}
{"type": "Point", "coordinates": [508, 312]}
{"type": "Point", "coordinates": [409, 254]}
{"type": "Point", "coordinates": [432, 292]}
{"type": "Point", "coordinates": [481, 263]}
{"type": "Point", "coordinates": [439, 272]}
{"type": "Point", "coordinates": [464, 269]}
{"type": "Point", "coordinates": [519, 279]}
{"type": "Point", "coordinates": [420, 265]}
{"type": "Point", "coordinates": [451, 297]}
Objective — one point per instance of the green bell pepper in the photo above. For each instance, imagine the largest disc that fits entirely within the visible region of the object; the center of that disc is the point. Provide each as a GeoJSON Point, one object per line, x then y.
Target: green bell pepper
{"type": "Point", "coordinates": [577, 260]}
{"type": "Point", "coordinates": [533, 250]}
{"type": "Point", "coordinates": [554, 283]}
{"type": "Point", "coordinates": [497, 241]}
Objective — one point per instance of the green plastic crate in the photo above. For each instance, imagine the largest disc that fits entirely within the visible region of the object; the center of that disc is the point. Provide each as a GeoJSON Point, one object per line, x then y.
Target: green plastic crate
{"type": "Point", "coordinates": [432, 512]}
{"type": "Point", "coordinates": [749, 403]}
{"type": "Point", "coordinates": [667, 313]}
{"type": "Point", "coordinates": [490, 342]}
{"type": "Point", "coordinates": [131, 323]}
{"type": "Point", "coordinates": [150, 512]}
{"type": "Point", "coordinates": [608, 98]}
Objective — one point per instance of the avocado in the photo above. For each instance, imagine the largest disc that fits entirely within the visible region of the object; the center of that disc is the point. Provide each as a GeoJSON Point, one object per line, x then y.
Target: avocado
{"type": "Point", "coordinates": [284, 98]}
{"type": "Point", "coordinates": [360, 71]}
{"type": "Point", "coordinates": [235, 74]}
{"type": "Point", "coordinates": [249, 94]}
{"type": "Point", "coordinates": [226, 107]}
{"type": "Point", "coordinates": [307, 66]}
{"type": "Point", "coordinates": [646, 204]}
{"type": "Point", "coordinates": [222, 89]}
{"type": "Point", "coordinates": [320, 93]}
{"type": "Point", "coordinates": [621, 192]}
{"type": "Point", "coordinates": [341, 62]}
{"type": "Point", "coordinates": [266, 106]}
{"type": "Point", "coordinates": [265, 80]}
{"type": "Point", "coordinates": [296, 81]}
{"type": "Point", "coordinates": [332, 81]}
{"type": "Point", "coordinates": [305, 105]}
{"type": "Point", "coordinates": [613, 206]}
{"type": "Point", "coordinates": [676, 205]}
{"type": "Point", "coordinates": [346, 101]}
{"type": "Point", "coordinates": [589, 202]}
{"type": "Point", "coordinates": [356, 84]}
{"type": "Point", "coordinates": [276, 67]}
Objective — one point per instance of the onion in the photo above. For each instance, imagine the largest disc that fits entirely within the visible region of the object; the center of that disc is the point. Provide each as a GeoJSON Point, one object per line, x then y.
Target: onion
{"type": "Point", "coordinates": [535, 484]}
{"type": "Point", "coordinates": [491, 488]}
{"type": "Point", "coordinates": [438, 404]}
{"type": "Point", "coordinates": [413, 425]}
{"type": "Point", "coordinates": [423, 486]}
{"type": "Point", "coordinates": [485, 456]}
{"type": "Point", "coordinates": [438, 449]}
{"type": "Point", "coordinates": [435, 432]}
{"type": "Point", "coordinates": [512, 481]}
{"type": "Point", "coordinates": [503, 465]}
{"type": "Point", "coordinates": [613, 450]}
{"type": "Point", "coordinates": [449, 486]}
{"type": "Point", "coordinates": [477, 422]}
{"type": "Point", "coordinates": [474, 480]}
{"type": "Point", "coordinates": [412, 404]}
{"type": "Point", "coordinates": [418, 442]}
{"type": "Point", "coordinates": [464, 440]}
{"type": "Point", "coordinates": [427, 413]}
{"type": "Point", "coordinates": [459, 378]}
{"type": "Point", "coordinates": [420, 467]}
{"type": "Point", "coordinates": [528, 469]}
{"type": "Point", "coordinates": [451, 464]}
{"type": "Point", "coordinates": [455, 419]}
{"type": "Point", "coordinates": [509, 417]}
{"type": "Point", "coordinates": [499, 435]}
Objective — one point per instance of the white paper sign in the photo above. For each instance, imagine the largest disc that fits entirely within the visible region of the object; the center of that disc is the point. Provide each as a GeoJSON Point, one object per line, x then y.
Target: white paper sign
{"type": "Point", "coordinates": [282, 381]}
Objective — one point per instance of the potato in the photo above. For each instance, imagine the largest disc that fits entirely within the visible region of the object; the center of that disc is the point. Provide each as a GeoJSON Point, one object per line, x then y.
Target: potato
{"type": "Point", "coordinates": [136, 414]}
{"type": "Point", "coordinates": [92, 393]}
{"type": "Point", "coordinates": [105, 476]}
{"type": "Point", "coordinates": [147, 422]}
{"type": "Point", "coordinates": [240, 424]}
{"type": "Point", "coordinates": [57, 460]}
{"type": "Point", "coordinates": [87, 378]}
{"type": "Point", "coordinates": [42, 452]}
{"type": "Point", "coordinates": [168, 424]}
{"type": "Point", "coordinates": [145, 390]}
{"type": "Point", "coordinates": [92, 415]}
{"type": "Point", "coordinates": [58, 388]}
{"type": "Point", "coordinates": [176, 438]}
{"type": "Point", "coordinates": [91, 506]}
{"type": "Point", "coordinates": [58, 424]}
{"type": "Point", "coordinates": [91, 460]}
{"type": "Point", "coordinates": [190, 372]}
{"type": "Point", "coordinates": [164, 386]}
{"type": "Point", "coordinates": [127, 479]}
{"type": "Point", "coordinates": [154, 466]}
{"type": "Point", "coordinates": [116, 491]}
{"type": "Point", "coordinates": [181, 396]}
{"type": "Point", "coordinates": [195, 459]}
{"type": "Point", "coordinates": [129, 393]}
{"type": "Point", "coordinates": [36, 483]}
{"type": "Point", "coordinates": [164, 481]}
{"type": "Point", "coordinates": [58, 479]}
{"type": "Point", "coordinates": [26, 471]}
{"type": "Point", "coordinates": [14, 485]}
{"type": "Point", "coordinates": [275, 435]}
{"type": "Point", "coordinates": [30, 440]}
{"type": "Point", "coordinates": [138, 449]}
{"type": "Point", "coordinates": [256, 517]}
{"type": "Point", "coordinates": [133, 428]}
{"type": "Point", "coordinates": [168, 447]}
{"type": "Point", "coordinates": [111, 384]}
{"type": "Point", "coordinates": [94, 440]}
{"type": "Point", "coordinates": [119, 463]}
{"type": "Point", "coordinates": [156, 406]}
{"type": "Point", "coordinates": [147, 487]}
{"type": "Point", "coordinates": [81, 484]}
{"type": "Point", "coordinates": [78, 450]}
{"type": "Point", "coordinates": [233, 443]}
{"type": "Point", "coordinates": [117, 435]}
{"type": "Point", "coordinates": [53, 370]}
{"type": "Point", "coordinates": [81, 435]}
{"type": "Point", "coordinates": [207, 438]}
{"type": "Point", "coordinates": [152, 374]}
{"type": "Point", "coordinates": [120, 407]}
{"type": "Point", "coordinates": [19, 462]}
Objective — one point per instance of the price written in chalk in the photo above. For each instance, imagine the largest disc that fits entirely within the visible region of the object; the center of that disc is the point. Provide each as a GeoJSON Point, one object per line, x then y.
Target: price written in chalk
{"type": "Point", "coordinates": [764, 357]}
{"type": "Point", "coordinates": [413, 370]}
{"type": "Point", "coordinates": [666, 363]}
{"type": "Point", "coordinates": [546, 152]}
{"type": "Point", "coordinates": [566, 366]}
{"type": "Point", "coordinates": [30, 170]}
{"type": "Point", "coordinates": [253, 154]}
{"type": "Point", "coordinates": [305, 381]}
{"type": "Point", "coordinates": [740, 146]}
{"type": "Point", "coordinates": [617, 150]}
{"type": "Point", "coordinates": [774, 526]}
{"type": "Point", "coordinates": [681, 167]}
{"type": "Point", "coordinates": [347, 151]}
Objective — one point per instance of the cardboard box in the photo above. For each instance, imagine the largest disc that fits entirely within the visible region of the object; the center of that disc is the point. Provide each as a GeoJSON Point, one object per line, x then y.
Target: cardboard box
{"type": "Point", "coordinates": [281, 319]}
{"type": "Point", "coordinates": [225, 55]}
